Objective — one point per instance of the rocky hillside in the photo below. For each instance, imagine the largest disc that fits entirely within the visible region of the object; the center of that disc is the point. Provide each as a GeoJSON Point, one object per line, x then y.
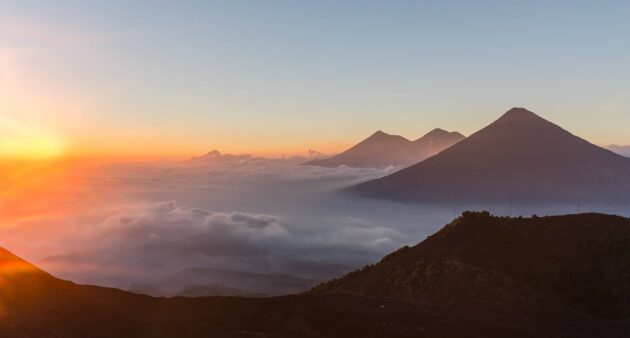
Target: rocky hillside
{"type": "Point", "coordinates": [541, 267]}
{"type": "Point", "coordinates": [480, 276]}
{"type": "Point", "coordinates": [36, 304]}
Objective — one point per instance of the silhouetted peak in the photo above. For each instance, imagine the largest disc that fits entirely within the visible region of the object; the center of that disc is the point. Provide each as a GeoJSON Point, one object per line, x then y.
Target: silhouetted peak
{"type": "Point", "coordinates": [519, 115]}
{"type": "Point", "coordinates": [521, 118]}
{"type": "Point", "coordinates": [381, 136]}
{"type": "Point", "coordinates": [458, 134]}
{"type": "Point", "coordinates": [379, 133]}
{"type": "Point", "coordinates": [381, 149]}
{"type": "Point", "coordinates": [439, 134]}
{"type": "Point", "coordinates": [437, 131]}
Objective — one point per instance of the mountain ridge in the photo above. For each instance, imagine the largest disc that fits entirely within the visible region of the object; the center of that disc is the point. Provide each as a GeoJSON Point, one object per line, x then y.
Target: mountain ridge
{"type": "Point", "coordinates": [519, 154]}
{"type": "Point", "coordinates": [556, 268]}
{"type": "Point", "coordinates": [475, 277]}
{"type": "Point", "coordinates": [35, 304]}
{"type": "Point", "coordinates": [381, 149]}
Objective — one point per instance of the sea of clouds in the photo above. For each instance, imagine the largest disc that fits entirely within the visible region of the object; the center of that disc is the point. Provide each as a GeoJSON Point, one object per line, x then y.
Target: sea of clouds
{"type": "Point", "coordinates": [222, 224]}
{"type": "Point", "coordinates": [282, 226]}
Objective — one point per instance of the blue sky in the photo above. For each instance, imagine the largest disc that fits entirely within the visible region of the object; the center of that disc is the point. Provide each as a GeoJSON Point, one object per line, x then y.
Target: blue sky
{"type": "Point", "coordinates": [285, 76]}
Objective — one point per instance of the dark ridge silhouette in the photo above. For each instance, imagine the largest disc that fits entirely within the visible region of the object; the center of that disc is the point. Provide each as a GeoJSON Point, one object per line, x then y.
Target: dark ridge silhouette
{"type": "Point", "coordinates": [382, 150]}
{"type": "Point", "coordinates": [480, 276]}
{"type": "Point", "coordinates": [520, 154]}
{"type": "Point", "coordinates": [572, 272]}
{"type": "Point", "coordinates": [223, 282]}
{"type": "Point", "coordinates": [35, 304]}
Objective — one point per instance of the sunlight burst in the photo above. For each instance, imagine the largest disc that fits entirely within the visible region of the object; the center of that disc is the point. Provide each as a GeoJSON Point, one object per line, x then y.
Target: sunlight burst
{"type": "Point", "coordinates": [28, 142]}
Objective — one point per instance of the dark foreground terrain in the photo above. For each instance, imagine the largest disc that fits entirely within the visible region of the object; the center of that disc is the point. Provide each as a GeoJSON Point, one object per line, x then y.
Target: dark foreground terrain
{"type": "Point", "coordinates": [480, 276]}
{"type": "Point", "coordinates": [35, 304]}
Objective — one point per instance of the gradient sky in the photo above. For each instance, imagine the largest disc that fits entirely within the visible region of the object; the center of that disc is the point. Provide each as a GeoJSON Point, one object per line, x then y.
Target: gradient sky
{"type": "Point", "coordinates": [280, 77]}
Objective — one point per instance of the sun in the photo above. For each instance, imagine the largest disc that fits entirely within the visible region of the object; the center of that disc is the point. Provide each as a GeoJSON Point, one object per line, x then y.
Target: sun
{"type": "Point", "coordinates": [28, 142]}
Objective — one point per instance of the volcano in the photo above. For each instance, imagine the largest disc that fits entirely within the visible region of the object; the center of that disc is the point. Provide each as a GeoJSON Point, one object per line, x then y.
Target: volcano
{"type": "Point", "coordinates": [382, 150]}
{"type": "Point", "coordinates": [520, 156]}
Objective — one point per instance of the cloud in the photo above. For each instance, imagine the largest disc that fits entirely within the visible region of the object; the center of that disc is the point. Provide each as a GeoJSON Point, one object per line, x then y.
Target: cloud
{"type": "Point", "coordinates": [151, 223]}
{"type": "Point", "coordinates": [151, 241]}
{"type": "Point", "coordinates": [244, 168]}
{"type": "Point", "coordinates": [147, 222]}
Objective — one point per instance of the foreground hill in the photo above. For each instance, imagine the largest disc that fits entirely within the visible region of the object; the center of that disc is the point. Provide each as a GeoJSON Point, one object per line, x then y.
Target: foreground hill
{"type": "Point", "coordinates": [563, 274]}
{"type": "Point", "coordinates": [382, 150]}
{"type": "Point", "coordinates": [520, 154]}
{"type": "Point", "coordinates": [35, 304]}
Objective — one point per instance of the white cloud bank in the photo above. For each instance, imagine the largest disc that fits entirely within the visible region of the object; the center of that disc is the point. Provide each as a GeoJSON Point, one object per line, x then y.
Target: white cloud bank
{"type": "Point", "coordinates": [149, 242]}
{"type": "Point", "coordinates": [228, 214]}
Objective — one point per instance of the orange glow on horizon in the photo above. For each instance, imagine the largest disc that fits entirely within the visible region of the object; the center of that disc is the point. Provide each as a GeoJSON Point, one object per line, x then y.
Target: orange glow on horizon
{"type": "Point", "coordinates": [155, 151]}
{"type": "Point", "coordinates": [28, 188]}
{"type": "Point", "coordinates": [28, 142]}
{"type": "Point", "coordinates": [10, 265]}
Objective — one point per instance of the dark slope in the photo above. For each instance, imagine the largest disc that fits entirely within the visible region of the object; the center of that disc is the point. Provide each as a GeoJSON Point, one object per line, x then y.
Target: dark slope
{"type": "Point", "coordinates": [204, 282]}
{"type": "Point", "coordinates": [382, 149]}
{"type": "Point", "coordinates": [480, 276]}
{"type": "Point", "coordinates": [35, 304]}
{"type": "Point", "coordinates": [519, 154]}
{"type": "Point", "coordinates": [564, 274]}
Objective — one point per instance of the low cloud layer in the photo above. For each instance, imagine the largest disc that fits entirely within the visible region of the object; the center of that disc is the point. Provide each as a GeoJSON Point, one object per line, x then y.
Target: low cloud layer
{"type": "Point", "coordinates": [224, 224]}
{"type": "Point", "coordinates": [156, 241]}
{"type": "Point", "coordinates": [150, 224]}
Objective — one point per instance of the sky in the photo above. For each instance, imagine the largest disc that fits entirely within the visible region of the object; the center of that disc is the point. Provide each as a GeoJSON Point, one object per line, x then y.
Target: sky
{"type": "Point", "coordinates": [166, 78]}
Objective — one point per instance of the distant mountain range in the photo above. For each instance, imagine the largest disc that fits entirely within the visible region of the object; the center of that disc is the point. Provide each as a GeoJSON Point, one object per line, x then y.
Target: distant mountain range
{"type": "Point", "coordinates": [215, 157]}
{"type": "Point", "coordinates": [621, 150]}
{"type": "Point", "coordinates": [186, 278]}
{"type": "Point", "coordinates": [520, 156]}
{"type": "Point", "coordinates": [382, 150]}
{"type": "Point", "coordinates": [480, 276]}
